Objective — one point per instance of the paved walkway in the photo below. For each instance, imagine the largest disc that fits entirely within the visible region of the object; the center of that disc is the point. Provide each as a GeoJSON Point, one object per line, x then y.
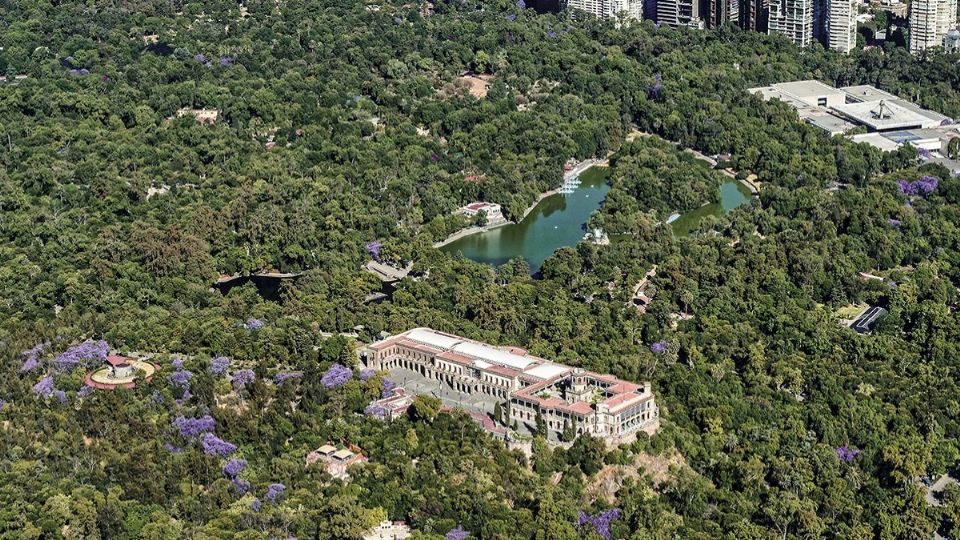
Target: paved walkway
{"type": "Point", "coordinates": [579, 168]}
{"type": "Point", "coordinates": [936, 489]}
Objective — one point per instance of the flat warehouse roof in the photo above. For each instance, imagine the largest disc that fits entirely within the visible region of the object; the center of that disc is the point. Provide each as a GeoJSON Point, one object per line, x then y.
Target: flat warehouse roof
{"type": "Point", "coordinates": [809, 88]}
{"type": "Point", "coordinates": [933, 117]}
{"type": "Point", "coordinates": [881, 115]}
{"type": "Point", "coordinates": [769, 92]}
{"type": "Point", "coordinates": [876, 140]}
{"type": "Point", "coordinates": [826, 121]}
{"type": "Point", "coordinates": [865, 92]}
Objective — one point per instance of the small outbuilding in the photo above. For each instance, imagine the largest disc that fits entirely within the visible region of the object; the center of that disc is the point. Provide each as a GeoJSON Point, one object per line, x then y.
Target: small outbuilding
{"type": "Point", "coordinates": [866, 322]}
{"type": "Point", "coordinates": [120, 366]}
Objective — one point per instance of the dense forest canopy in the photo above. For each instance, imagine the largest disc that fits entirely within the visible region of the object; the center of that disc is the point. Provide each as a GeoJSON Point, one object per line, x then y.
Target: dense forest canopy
{"type": "Point", "coordinates": [339, 124]}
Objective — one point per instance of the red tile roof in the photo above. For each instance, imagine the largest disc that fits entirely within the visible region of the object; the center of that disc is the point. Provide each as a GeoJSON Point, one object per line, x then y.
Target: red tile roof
{"type": "Point", "coordinates": [386, 343]}
{"type": "Point", "coordinates": [456, 358]}
{"type": "Point", "coordinates": [117, 360]}
{"type": "Point", "coordinates": [417, 346]}
{"type": "Point", "coordinates": [503, 371]}
{"type": "Point", "coordinates": [580, 407]}
{"type": "Point", "coordinates": [621, 401]}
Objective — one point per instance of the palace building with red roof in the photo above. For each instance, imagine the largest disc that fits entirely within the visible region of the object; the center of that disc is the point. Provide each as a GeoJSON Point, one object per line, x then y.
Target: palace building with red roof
{"type": "Point", "coordinates": [592, 403]}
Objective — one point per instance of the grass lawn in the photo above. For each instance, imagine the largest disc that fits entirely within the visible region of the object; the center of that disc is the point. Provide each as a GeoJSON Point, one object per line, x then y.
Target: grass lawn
{"type": "Point", "coordinates": [849, 312]}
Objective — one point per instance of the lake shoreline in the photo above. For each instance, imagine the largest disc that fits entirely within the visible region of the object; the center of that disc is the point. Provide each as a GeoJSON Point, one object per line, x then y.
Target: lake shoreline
{"type": "Point", "coordinates": [469, 231]}
{"type": "Point", "coordinates": [553, 221]}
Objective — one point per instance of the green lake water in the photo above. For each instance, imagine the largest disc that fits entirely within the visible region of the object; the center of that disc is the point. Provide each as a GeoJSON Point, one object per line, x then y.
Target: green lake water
{"type": "Point", "coordinates": [557, 221]}
{"type": "Point", "coordinates": [732, 195]}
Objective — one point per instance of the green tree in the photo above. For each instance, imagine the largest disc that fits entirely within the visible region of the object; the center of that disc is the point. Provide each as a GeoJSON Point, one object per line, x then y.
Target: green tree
{"type": "Point", "coordinates": [424, 408]}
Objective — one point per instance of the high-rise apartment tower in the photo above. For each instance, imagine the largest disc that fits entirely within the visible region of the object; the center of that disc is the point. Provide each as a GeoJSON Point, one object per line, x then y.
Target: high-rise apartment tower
{"type": "Point", "coordinates": [930, 22]}
{"type": "Point", "coordinates": [632, 9]}
{"type": "Point", "coordinates": [841, 25]}
{"type": "Point", "coordinates": [793, 19]}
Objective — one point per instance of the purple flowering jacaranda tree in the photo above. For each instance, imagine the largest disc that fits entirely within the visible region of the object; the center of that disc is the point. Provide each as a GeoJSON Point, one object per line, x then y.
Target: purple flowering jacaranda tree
{"type": "Point", "coordinates": [219, 366]}
{"type": "Point", "coordinates": [377, 411]}
{"type": "Point", "coordinates": [458, 534]}
{"type": "Point", "coordinates": [181, 379]}
{"type": "Point", "coordinates": [44, 387]}
{"type": "Point", "coordinates": [243, 377]}
{"type": "Point", "coordinates": [242, 486]}
{"type": "Point", "coordinates": [336, 376]}
{"type": "Point", "coordinates": [373, 248]}
{"type": "Point", "coordinates": [234, 467]}
{"type": "Point", "coordinates": [274, 492]}
{"type": "Point", "coordinates": [285, 376]}
{"type": "Point", "coordinates": [32, 357]}
{"type": "Point", "coordinates": [847, 454]}
{"type": "Point", "coordinates": [215, 446]}
{"type": "Point", "coordinates": [253, 325]}
{"type": "Point", "coordinates": [600, 523]}
{"type": "Point", "coordinates": [923, 187]}
{"type": "Point", "coordinates": [172, 449]}
{"type": "Point", "coordinates": [194, 427]}
{"type": "Point", "coordinates": [86, 354]}
{"type": "Point", "coordinates": [388, 388]}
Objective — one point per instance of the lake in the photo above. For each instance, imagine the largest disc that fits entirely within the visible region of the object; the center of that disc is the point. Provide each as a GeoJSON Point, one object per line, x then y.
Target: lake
{"type": "Point", "coordinates": [732, 195]}
{"type": "Point", "coordinates": [557, 221]}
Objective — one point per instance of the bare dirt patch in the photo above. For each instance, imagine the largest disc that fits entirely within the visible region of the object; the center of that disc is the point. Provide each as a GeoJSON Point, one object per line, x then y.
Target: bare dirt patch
{"type": "Point", "coordinates": [612, 477]}
{"type": "Point", "coordinates": [475, 85]}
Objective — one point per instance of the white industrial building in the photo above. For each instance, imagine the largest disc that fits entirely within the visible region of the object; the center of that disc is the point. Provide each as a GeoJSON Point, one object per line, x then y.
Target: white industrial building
{"type": "Point", "coordinates": [837, 110]}
{"type": "Point", "coordinates": [892, 121]}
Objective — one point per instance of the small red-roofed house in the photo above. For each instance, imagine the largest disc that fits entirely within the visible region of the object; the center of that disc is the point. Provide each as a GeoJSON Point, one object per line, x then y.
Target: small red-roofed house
{"type": "Point", "coordinates": [120, 366]}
